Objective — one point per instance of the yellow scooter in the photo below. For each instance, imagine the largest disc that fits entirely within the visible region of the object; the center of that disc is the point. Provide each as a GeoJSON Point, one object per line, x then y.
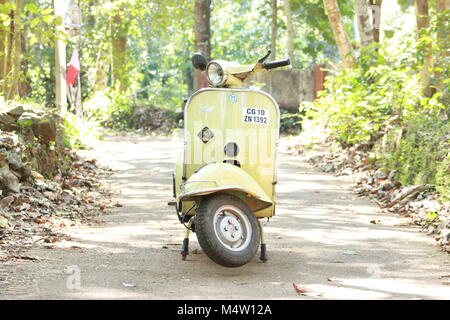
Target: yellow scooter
{"type": "Point", "coordinates": [225, 178]}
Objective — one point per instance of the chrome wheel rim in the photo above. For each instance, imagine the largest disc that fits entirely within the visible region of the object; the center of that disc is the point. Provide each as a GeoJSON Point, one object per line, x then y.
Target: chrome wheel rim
{"type": "Point", "coordinates": [232, 228]}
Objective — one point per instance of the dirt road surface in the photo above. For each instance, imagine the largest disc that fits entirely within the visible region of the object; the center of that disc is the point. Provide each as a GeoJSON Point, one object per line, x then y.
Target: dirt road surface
{"type": "Point", "coordinates": [321, 239]}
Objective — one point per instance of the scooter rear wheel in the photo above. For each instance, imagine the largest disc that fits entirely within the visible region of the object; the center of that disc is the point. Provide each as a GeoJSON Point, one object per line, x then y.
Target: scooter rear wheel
{"type": "Point", "coordinates": [227, 230]}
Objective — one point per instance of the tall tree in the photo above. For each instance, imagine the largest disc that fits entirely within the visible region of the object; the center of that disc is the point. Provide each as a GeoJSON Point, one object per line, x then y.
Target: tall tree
{"type": "Point", "coordinates": [202, 33]}
{"type": "Point", "coordinates": [340, 34]}
{"type": "Point", "coordinates": [7, 54]}
{"type": "Point", "coordinates": [60, 62]}
{"type": "Point", "coordinates": [3, 52]}
{"type": "Point", "coordinates": [119, 39]}
{"type": "Point", "coordinates": [363, 22]}
{"type": "Point", "coordinates": [443, 11]}
{"type": "Point", "coordinates": [290, 30]}
{"type": "Point", "coordinates": [16, 61]}
{"type": "Point", "coordinates": [273, 35]}
{"type": "Point", "coordinates": [423, 22]}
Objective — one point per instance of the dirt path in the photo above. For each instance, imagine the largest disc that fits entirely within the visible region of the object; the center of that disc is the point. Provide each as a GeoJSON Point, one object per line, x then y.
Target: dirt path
{"type": "Point", "coordinates": [321, 239]}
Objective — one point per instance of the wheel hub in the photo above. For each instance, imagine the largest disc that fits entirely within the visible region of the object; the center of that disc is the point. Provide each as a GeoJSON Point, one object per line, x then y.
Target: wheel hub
{"type": "Point", "coordinates": [231, 229]}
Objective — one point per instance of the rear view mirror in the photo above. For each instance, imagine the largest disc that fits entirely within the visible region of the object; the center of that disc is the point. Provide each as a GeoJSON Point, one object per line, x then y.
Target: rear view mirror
{"type": "Point", "coordinates": [199, 61]}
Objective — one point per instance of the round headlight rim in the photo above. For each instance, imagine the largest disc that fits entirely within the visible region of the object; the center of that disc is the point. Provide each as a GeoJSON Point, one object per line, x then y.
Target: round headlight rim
{"type": "Point", "coordinates": [224, 76]}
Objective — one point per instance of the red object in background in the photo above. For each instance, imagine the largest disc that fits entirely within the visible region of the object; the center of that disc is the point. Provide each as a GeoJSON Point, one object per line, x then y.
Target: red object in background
{"type": "Point", "coordinates": [319, 78]}
{"type": "Point", "coordinates": [73, 69]}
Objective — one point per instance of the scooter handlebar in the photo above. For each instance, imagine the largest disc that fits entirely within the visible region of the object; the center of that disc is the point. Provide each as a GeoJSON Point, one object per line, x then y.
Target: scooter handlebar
{"type": "Point", "coordinates": [276, 64]}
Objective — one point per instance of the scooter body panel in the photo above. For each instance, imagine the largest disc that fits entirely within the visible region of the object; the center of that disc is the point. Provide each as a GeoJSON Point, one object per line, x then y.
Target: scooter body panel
{"type": "Point", "coordinates": [244, 120]}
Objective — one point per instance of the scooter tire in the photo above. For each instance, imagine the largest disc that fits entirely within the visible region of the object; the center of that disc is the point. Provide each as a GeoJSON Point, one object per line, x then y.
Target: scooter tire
{"type": "Point", "coordinates": [208, 237]}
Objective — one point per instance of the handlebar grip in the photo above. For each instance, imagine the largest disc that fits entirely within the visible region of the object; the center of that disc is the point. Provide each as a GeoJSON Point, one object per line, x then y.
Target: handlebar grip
{"type": "Point", "coordinates": [276, 64]}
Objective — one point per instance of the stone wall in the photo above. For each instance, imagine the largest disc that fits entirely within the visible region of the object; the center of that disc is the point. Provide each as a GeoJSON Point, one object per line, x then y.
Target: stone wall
{"type": "Point", "coordinates": [288, 87]}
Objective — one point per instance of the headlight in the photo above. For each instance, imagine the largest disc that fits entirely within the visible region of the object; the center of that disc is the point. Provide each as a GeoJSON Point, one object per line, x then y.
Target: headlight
{"type": "Point", "coordinates": [216, 74]}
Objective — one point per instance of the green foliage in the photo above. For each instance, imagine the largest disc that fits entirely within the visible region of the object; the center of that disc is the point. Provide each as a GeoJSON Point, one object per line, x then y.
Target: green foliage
{"type": "Point", "coordinates": [291, 122]}
{"type": "Point", "coordinates": [110, 108]}
{"type": "Point", "coordinates": [443, 176]}
{"type": "Point", "coordinates": [241, 31]}
{"type": "Point", "coordinates": [79, 132]}
{"type": "Point", "coordinates": [417, 149]}
{"type": "Point", "coordinates": [380, 103]}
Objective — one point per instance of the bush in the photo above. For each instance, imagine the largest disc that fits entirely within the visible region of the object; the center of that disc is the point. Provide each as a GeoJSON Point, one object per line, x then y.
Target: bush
{"type": "Point", "coordinates": [79, 132]}
{"type": "Point", "coordinates": [111, 108]}
{"type": "Point", "coordinates": [379, 103]}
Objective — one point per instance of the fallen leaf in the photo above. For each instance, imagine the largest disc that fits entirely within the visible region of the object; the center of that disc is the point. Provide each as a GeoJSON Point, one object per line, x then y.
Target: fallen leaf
{"type": "Point", "coordinates": [331, 279]}
{"type": "Point", "coordinates": [298, 290]}
{"type": "Point", "coordinates": [305, 292]}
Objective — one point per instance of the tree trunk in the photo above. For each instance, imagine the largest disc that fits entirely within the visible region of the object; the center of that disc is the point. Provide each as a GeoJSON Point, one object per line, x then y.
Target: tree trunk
{"type": "Point", "coordinates": [60, 63]}
{"type": "Point", "coordinates": [422, 14]}
{"type": "Point", "coordinates": [202, 34]}
{"type": "Point", "coordinates": [340, 34]}
{"type": "Point", "coordinates": [25, 81]}
{"type": "Point", "coordinates": [423, 22]}
{"type": "Point", "coordinates": [119, 52]}
{"type": "Point", "coordinates": [443, 54]}
{"type": "Point", "coordinates": [13, 87]}
{"type": "Point", "coordinates": [6, 61]}
{"type": "Point", "coordinates": [375, 6]}
{"type": "Point", "coordinates": [101, 74]}
{"type": "Point", "coordinates": [290, 31]}
{"type": "Point", "coordinates": [202, 27]}
{"type": "Point", "coordinates": [3, 39]}
{"type": "Point", "coordinates": [363, 23]}
{"type": "Point", "coordinates": [273, 35]}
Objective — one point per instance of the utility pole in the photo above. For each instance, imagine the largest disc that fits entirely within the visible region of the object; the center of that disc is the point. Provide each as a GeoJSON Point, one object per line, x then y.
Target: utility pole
{"type": "Point", "coordinates": [60, 61]}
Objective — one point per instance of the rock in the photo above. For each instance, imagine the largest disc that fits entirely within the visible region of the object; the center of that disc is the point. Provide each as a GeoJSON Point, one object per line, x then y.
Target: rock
{"type": "Point", "coordinates": [6, 202]}
{"type": "Point", "coordinates": [6, 142]}
{"type": "Point", "coordinates": [346, 172]}
{"type": "Point", "coordinates": [37, 176]}
{"type": "Point", "coordinates": [16, 112]}
{"type": "Point", "coordinates": [25, 173]}
{"type": "Point", "coordinates": [45, 130]}
{"type": "Point", "coordinates": [14, 161]}
{"type": "Point", "coordinates": [392, 175]}
{"type": "Point", "coordinates": [386, 185]}
{"type": "Point", "coordinates": [6, 120]}
{"type": "Point", "coordinates": [329, 168]}
{"type": "Point", "coordinates": [363, 189]}
{"type": "Point", "coordinates": [445, 236]}
{"type": "Point", "coordinates": [380, 174]}
{"type": "Point", "coordinates": [4, 222]}
{"type": "Point", "coordinates": [8, 181]}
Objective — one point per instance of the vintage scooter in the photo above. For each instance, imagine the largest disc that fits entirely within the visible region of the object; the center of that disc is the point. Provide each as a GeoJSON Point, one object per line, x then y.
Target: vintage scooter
{"type": "Point", "coordinates": [225, 178]}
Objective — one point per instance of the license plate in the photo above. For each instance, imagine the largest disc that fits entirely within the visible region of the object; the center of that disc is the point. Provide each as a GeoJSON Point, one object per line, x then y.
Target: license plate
{"type": "Point", "coordinates": [255, 115]}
